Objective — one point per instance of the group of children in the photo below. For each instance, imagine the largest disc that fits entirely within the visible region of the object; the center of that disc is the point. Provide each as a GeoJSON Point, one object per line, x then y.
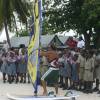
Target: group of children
{"type": "Point", "coordinates": [14, 65]}
{"type": "Point", "coordinates": [77, 70]}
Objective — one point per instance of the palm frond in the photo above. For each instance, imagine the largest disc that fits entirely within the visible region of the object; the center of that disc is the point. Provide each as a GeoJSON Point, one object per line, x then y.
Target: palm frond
{"type": "Point", "coordinates": [1, 14]}
{"type": "Point", "coordinates": [21, 9]}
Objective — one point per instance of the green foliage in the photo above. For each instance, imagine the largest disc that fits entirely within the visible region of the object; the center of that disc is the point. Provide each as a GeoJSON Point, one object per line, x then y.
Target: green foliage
{"type": "Point", "coordinates": [8, 9]}
{"type": "Point", "coordinates": [62, 15]}
{"type": "Point", "coordinates": [79, 15]}
{"type": "Point", "coordinates": [92, 8]}
{"type": "Point", "coordinates": [22, 33]}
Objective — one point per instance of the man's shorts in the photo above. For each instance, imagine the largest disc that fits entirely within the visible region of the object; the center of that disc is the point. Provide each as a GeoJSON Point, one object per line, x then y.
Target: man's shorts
{"type": "Point", "coordinates": [52, 75]}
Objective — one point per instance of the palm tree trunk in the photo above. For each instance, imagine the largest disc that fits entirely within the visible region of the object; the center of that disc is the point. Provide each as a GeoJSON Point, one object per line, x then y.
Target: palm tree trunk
{"type": "Point", "coordinates": [26, 26]}
{"type": "Point", "coordinates": [15, 26]}
{"type": "Point", "coordinates": [87, 41]}
{"type": "Point", "coordinates": [7, 35]}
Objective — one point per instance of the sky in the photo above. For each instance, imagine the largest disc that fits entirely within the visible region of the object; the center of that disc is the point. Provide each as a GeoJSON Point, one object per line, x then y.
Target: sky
{"type": "Point", "coordinates": [69, 33]}
{"type": "Point", "coordinates": [3, 35]}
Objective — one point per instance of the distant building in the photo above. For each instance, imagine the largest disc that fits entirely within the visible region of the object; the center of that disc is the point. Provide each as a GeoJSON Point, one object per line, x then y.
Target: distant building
{"type": "Point", "coordinates": [17, 41]}
{"type": "Point", "coordinates": [45, 40]}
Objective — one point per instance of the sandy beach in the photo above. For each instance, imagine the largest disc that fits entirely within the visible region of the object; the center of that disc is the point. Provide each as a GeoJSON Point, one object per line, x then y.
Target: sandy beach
{"type": "Point", "coordinates": [27, 89]}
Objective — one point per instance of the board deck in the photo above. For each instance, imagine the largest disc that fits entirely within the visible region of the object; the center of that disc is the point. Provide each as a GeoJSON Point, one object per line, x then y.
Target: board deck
{"type": "Point", "coordinates": [17, 97]}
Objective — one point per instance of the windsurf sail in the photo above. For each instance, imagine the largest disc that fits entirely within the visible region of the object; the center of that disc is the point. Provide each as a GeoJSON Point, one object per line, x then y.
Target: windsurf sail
{"type": "Point", "coordinates": [34, 44]}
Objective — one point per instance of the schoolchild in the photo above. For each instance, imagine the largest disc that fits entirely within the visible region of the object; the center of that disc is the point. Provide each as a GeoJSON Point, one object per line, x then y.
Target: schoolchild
{"type": "Point", "coordinates": [11, 69]}
{"type": "Point", "coordinates": [22, 65]}
{"type": "Point", "coordinates": [4, 66]}
{"type": "Point", "coordinates": [88, 72]}
{"type": "Point", "coordinates": [75, 72]}
{"type": "Point", "coordinates": [81, 64]}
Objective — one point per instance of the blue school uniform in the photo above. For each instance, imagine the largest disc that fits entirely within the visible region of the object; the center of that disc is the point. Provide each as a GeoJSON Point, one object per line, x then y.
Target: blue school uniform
{"type": "Point", "coordinates": [75, 76]}
{"type": "Point", "coordinates": [61, 67]}
{"type": "Point", "coordinates": [22, 65]}
{"type": "Point", "coordinates": [4, 65]}
{"type": "Point", "coordinates": [67, 70]}
{"type": "Point", "coordinates": [11, 70]}
{"type": "Point", "coordinates": [67, 67]}
{"type": "Point", "coordinates": [11, 59]}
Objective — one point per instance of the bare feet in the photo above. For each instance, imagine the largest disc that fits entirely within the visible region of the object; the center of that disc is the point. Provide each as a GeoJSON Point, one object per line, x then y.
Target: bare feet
{"type": "Point", "coordinates": [44, 93]}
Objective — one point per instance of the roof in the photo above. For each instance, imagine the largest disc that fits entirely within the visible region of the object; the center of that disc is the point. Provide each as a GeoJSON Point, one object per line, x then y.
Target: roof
{"type": "Point", "coordinates": [16, 41]}
{"type": "Point", "coordinates": [46, 39]}
{"type": "Point", "coordinates": [63, 39]}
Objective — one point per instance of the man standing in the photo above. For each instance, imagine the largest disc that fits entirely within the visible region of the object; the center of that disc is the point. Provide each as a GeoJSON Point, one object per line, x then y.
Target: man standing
{"type": "Point", "coordinates": [52, 73]}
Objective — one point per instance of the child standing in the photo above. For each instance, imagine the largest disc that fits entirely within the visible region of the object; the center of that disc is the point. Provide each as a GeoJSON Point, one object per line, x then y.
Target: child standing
{"type": "Point", "coordinates": [22, 65]}
{"type": "Point", "coordinates": [11, 69]}
{"type": "Point", "coordinates": [88, 72]}
{"type": "Point", "coordinates": [97, 70]}
{"type": "Point", "coordinates": [4, 66]}
{"type": "Point", "coordinates": [67, 69]}
{"type": "Point", "coordinates": [61, 69]}
{"type": "Point", "coordinates": [75, 72]}
{"type": "Point", "coordinates": [81, 64]}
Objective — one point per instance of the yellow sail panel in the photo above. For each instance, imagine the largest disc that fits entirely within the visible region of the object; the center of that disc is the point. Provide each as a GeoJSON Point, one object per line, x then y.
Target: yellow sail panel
{"type": "Point", "coordinates": [34, 45]}
{"type": "Point", "coordinates": [32, 68]}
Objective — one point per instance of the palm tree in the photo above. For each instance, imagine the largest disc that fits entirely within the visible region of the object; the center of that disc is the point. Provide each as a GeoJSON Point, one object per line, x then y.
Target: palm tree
{"type": "Point", "coordinates": [8, 8]}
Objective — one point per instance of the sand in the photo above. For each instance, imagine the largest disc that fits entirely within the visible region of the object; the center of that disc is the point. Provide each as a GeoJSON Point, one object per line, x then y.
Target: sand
{"type": "Point", "coordinates": [27, 89]}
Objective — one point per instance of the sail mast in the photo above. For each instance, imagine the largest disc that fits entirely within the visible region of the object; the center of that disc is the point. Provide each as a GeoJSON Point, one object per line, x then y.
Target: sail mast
{"type": "Point", "coordinates": [33, 47]}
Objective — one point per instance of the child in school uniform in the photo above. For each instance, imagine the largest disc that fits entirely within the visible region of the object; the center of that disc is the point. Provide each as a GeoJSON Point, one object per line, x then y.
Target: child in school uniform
{"type": "Point", "coordinates": [97, 72]}
{"type": "Point", "coordinates": [88, 72]}
{"type": "Point", "coordinates": [16, 64]}
{"type": "Point", "coordinates": [75, 72]}
{"type": "Point", "coordinates": [1, 59]}
{"type": "Point", "coordinates": [67, 69]}
{"type": "Point", "coordinates": [11, 68]}
{"type": "Point", "coordinates": [61, 69]}
{"type": "Point", "coordinates": [4, 66]}
{"type": "Point", "coordinates": [22, 65]}
{"type": "Point", "coordinates": [81, 64]}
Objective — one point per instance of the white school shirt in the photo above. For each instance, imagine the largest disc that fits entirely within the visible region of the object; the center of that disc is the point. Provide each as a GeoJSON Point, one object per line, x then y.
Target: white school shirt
{"type": "Point", "coordinates": [80, 44]}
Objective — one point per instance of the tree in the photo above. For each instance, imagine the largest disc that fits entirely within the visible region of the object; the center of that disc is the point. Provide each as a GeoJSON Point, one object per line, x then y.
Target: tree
{"type": "Point", "coordinates": [93, 21]}
{"type": "Point", "coordinates": [22, 33]}
{"type": "Point", "coordinates": [80, 15]}
{"type": "Point", "coordinates": [7, 16]}
{"type": "Point", "coordinates": [54, 16]}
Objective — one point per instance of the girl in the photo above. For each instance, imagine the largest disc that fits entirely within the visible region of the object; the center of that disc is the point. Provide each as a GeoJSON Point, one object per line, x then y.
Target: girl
{"type": "Point", "coordinates": [11, 69]}
{"type": "Point", "coordinates": [67, 69]}
{"type": "Point", "coordinates": [4, 66]}
{"type": "Point", "coordinates": [61, 69]}
{"type": "Point", "coordinates": [22, 65]}
{"type": "Point", "coordinates": [16, 63]}
{"type": "Point", "coordinates": [75, 76]}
